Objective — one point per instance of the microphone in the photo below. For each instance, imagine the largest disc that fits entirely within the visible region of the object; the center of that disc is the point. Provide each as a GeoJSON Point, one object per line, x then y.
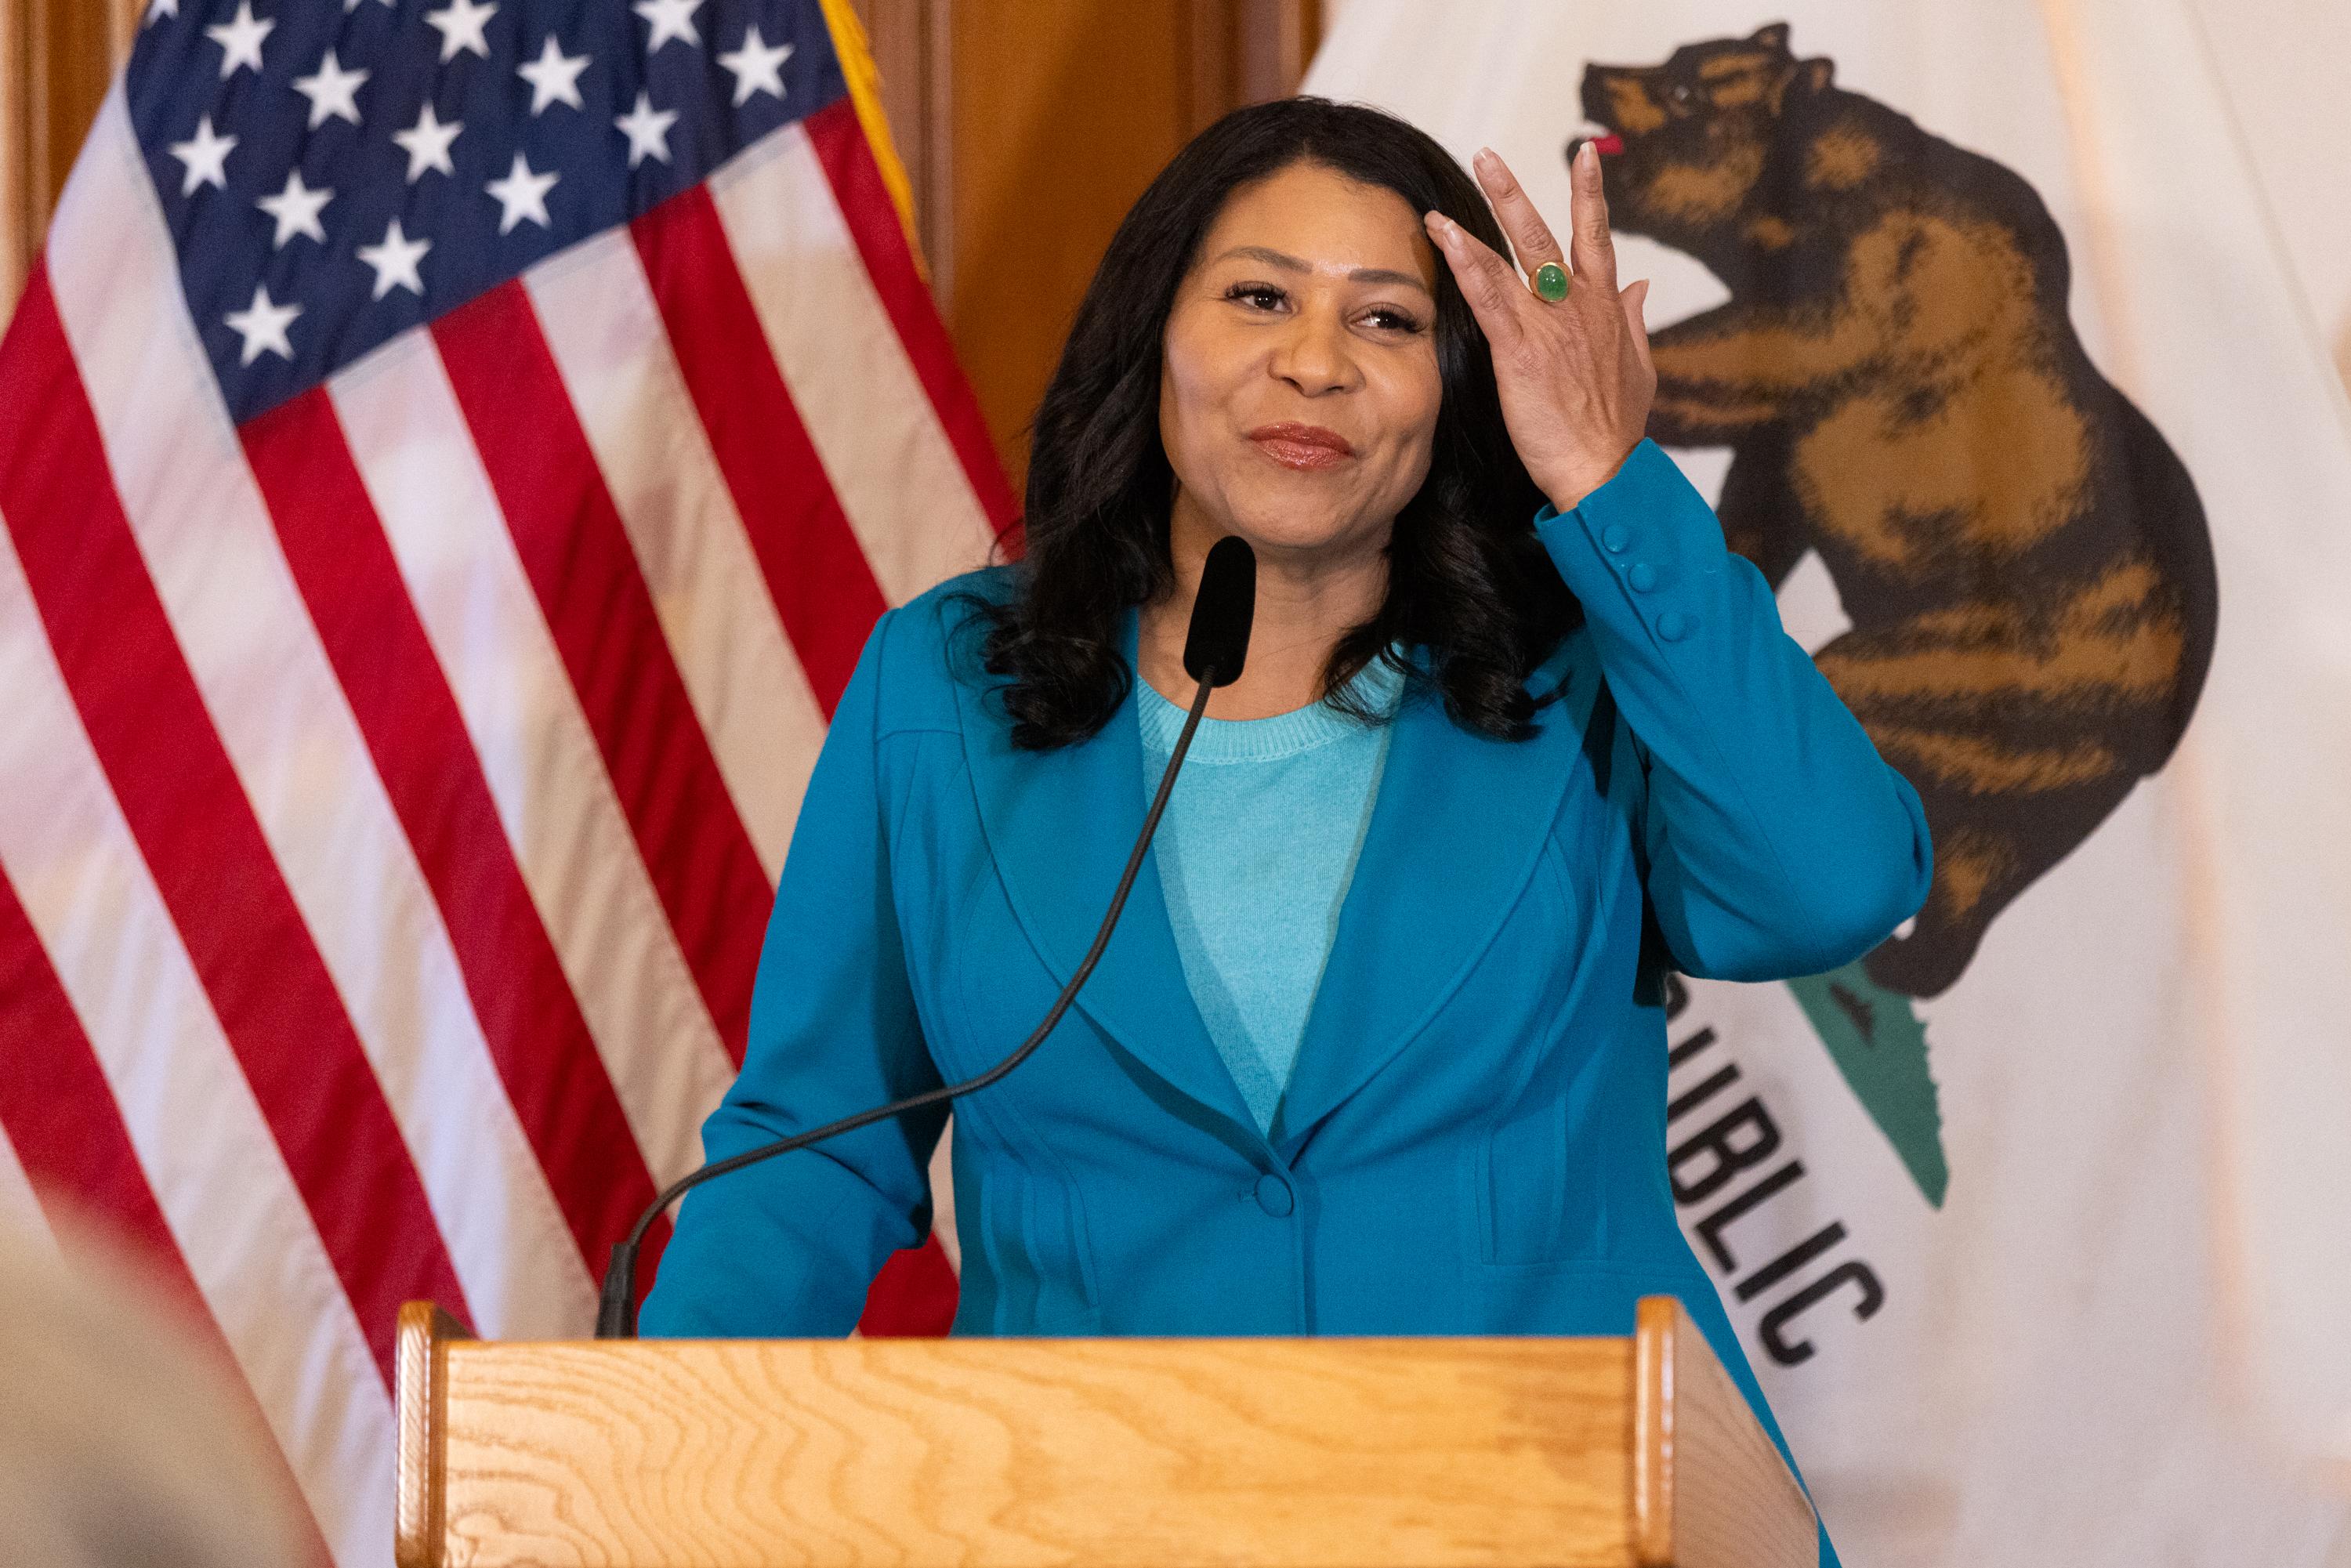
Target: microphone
{"type": "Point", "coordinates": [1222, 613]}
{"type": "Point", "coordinates": [1215, 648]}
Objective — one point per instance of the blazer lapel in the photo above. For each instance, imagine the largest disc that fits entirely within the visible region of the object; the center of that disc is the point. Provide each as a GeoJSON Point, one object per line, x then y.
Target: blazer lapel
{"type": "Point", "coordinates": [1454, 836]}
{"type": "Point", "coordinates": [1060, 826]}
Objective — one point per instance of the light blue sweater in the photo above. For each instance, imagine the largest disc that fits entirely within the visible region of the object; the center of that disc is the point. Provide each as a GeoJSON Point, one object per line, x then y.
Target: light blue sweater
{"type": "Point", "coordinates": [1255, 853]}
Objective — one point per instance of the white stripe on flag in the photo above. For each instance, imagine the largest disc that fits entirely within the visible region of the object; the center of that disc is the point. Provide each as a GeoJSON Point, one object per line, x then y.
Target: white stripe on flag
{"type": "Point", "coordinates": [232, 1206]}
{"type": "Point", "coordinates": [274, 701]}
{"type": "Point", "coordinates": [848, 372]}
{"type": "Point", "coordinates": [597, 312]}
{"type": "Point", "coordinates": [577, 852]}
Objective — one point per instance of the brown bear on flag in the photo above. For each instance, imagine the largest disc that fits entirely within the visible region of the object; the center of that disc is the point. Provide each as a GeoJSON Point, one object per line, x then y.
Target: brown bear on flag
{"type": "Point", "coordinates": [2023, 558]}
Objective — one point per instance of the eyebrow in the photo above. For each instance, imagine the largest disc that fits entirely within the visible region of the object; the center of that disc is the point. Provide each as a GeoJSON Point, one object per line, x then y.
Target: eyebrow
{"type": "Point", "coordinates": [1291, 264]}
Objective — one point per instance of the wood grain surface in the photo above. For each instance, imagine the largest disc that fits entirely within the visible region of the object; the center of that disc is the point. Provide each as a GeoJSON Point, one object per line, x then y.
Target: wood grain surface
{"type": "Point", "coordinates": [1656, 1339]}
{"type": "Point", "coordinates": [1733, 1501]}
{"type": "Point", "coordinates": [1112, 1452]}
{"type": "Point", "coordinates": [421, 1417]}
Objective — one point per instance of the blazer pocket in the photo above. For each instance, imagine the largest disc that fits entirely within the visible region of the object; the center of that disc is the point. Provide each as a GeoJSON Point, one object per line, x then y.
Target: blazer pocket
{"type": "Point", "coordinates": [1524, 1189]}
{"type": "Point", "coordinates": [1036, 1247]}
{"type": "Point", "coordinates": [1542, 1188]}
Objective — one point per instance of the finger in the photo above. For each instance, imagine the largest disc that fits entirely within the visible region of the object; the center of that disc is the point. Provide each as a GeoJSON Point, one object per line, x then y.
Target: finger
{"type": "Point", "coordinates": [1487, 282]}
{"type": "Point", "coordinates": [1594, 256]}
{"type": "Point", "coordinates": [1516, 210]}
{"type": "Point", "coordinates": [1634, 297]}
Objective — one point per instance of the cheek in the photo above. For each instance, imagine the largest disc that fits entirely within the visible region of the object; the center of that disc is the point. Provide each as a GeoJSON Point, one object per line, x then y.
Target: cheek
{"type": "Point", "coordinates": [1193, 386]}
{"type": "Point", "coordinates": [1412, 399]}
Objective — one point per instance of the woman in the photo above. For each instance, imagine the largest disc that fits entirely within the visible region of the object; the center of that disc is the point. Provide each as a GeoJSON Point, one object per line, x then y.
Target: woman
{"type": "Point", "coordinates": [1377, 1047]}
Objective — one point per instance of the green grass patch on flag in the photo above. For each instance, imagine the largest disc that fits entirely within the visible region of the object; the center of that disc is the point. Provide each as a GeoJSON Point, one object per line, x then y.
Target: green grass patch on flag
{"type": "Point", "coordinates": [1877, 1041]}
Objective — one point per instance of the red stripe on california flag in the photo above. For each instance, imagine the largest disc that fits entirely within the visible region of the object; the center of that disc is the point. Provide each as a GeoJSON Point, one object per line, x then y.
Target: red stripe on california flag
{"type": "Point", "coordinates": [540, 1042]}
{"type": "Point", "coordinates": [577, 553]}
{"type": "Point", "coordinates": [824, 588]}
{"type": "Point", "coordinates": [59, 1114]}
{"type": "Point", "coordinates": [873, 218]}
{"type": "Point", "coordinates": [187, 807]}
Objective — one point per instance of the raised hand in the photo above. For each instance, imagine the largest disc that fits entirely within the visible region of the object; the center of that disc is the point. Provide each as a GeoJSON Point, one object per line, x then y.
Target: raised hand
{"type": "Point", "coordinates": [1575, 377]}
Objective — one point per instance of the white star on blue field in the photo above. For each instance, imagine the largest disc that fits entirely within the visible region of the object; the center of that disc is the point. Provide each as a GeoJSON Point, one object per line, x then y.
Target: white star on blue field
{"type": "Point", "coordinates": [333, 175]}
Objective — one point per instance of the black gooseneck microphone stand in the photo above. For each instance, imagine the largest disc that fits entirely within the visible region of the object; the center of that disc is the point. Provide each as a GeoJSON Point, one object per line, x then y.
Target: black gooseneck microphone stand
{"type": "Point", "coordinates": [1215, 648]}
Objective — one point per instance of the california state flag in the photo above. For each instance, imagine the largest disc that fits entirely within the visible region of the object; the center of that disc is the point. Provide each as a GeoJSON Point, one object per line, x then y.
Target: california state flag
{"type": "Point", "coordinates": [1968, 316]}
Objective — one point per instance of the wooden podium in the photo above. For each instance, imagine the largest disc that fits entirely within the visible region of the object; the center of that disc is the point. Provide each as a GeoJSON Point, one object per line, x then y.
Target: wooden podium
{"type": "Point", "coordinates": [1104, 1453]}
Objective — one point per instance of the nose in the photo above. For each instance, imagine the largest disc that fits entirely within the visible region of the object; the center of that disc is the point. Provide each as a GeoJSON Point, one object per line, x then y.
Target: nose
{"type": "Point", "coordinates": [1314, 353]}
{"type": "Point", "coordinates": [1598, 100]}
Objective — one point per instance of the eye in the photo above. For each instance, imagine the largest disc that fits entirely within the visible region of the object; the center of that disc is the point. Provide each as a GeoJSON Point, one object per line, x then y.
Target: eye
{"type": "Point", "coordinates": [1389, 319]}
{"type": "Point", "coordinates": [1256, 296]}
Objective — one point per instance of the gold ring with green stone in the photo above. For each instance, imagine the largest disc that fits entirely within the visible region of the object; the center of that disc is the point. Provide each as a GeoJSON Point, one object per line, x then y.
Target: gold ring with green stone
{"type": "Point", "coordinates": [1550, 282]}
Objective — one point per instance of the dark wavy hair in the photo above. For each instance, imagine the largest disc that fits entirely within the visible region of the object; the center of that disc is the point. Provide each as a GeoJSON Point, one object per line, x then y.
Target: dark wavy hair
{"type": "Point", "coordinates": [1468, 580]}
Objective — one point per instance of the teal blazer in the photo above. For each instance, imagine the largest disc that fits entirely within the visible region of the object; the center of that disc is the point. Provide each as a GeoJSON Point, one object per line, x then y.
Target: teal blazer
{"type": "Point", "coordinates": [1473, 1138]}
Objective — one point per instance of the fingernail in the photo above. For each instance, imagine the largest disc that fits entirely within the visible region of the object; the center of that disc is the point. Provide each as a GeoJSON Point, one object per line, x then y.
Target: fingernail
{"type": "Point", "coordinates": [1484, 155]}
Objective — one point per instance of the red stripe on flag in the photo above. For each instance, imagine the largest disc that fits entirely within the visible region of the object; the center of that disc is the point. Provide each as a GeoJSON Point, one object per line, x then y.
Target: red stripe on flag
{"type": "Point", "coordinates": [59, 1111]}
{"type": "Point", "coordinates": [211, 862]}
{"type": "Point", "coordinates": [59, 1114]}
{"type": "Point", "coordinates": [817, 573]}
{"type": "Point", "coordinates": [544, 1055]}
{"type": "Point", "coordinates": [914, 1296]}
{"type": "Point", "coordinates": [581, 563]}
{"type": "Point", "coordinates": [841, 147]}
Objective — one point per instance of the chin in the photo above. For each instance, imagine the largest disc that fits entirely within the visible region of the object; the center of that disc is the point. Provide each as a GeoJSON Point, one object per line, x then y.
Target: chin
{"type": "Point", "coordinates": [1305, 511]}
{"type": "Point", "coordinates": [1288, 534]}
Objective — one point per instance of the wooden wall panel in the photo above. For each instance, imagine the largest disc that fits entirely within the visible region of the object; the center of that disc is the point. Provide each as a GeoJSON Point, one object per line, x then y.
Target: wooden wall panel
{"type": "Point", "coordinates": [57, 59]}
{"type": "Point", "coordinates": [909, 43]}
{"type": "Point", "coordinates": [1028, 127]}
{"type": "Point", "coordinates": [1063, 111]}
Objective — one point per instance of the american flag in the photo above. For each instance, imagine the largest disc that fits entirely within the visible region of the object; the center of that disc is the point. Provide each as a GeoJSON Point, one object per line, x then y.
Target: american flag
{"type": "Point", "coordinates": [451, 454]}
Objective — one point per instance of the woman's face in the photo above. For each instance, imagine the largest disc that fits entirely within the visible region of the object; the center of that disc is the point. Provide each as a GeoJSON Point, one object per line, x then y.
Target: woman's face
{"type": "Point", "coordinates": [1298, 392]}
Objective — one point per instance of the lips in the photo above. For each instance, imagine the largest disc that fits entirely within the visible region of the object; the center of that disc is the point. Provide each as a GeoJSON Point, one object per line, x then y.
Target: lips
{"type": "Point", "coordinates": [1301, 446]}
